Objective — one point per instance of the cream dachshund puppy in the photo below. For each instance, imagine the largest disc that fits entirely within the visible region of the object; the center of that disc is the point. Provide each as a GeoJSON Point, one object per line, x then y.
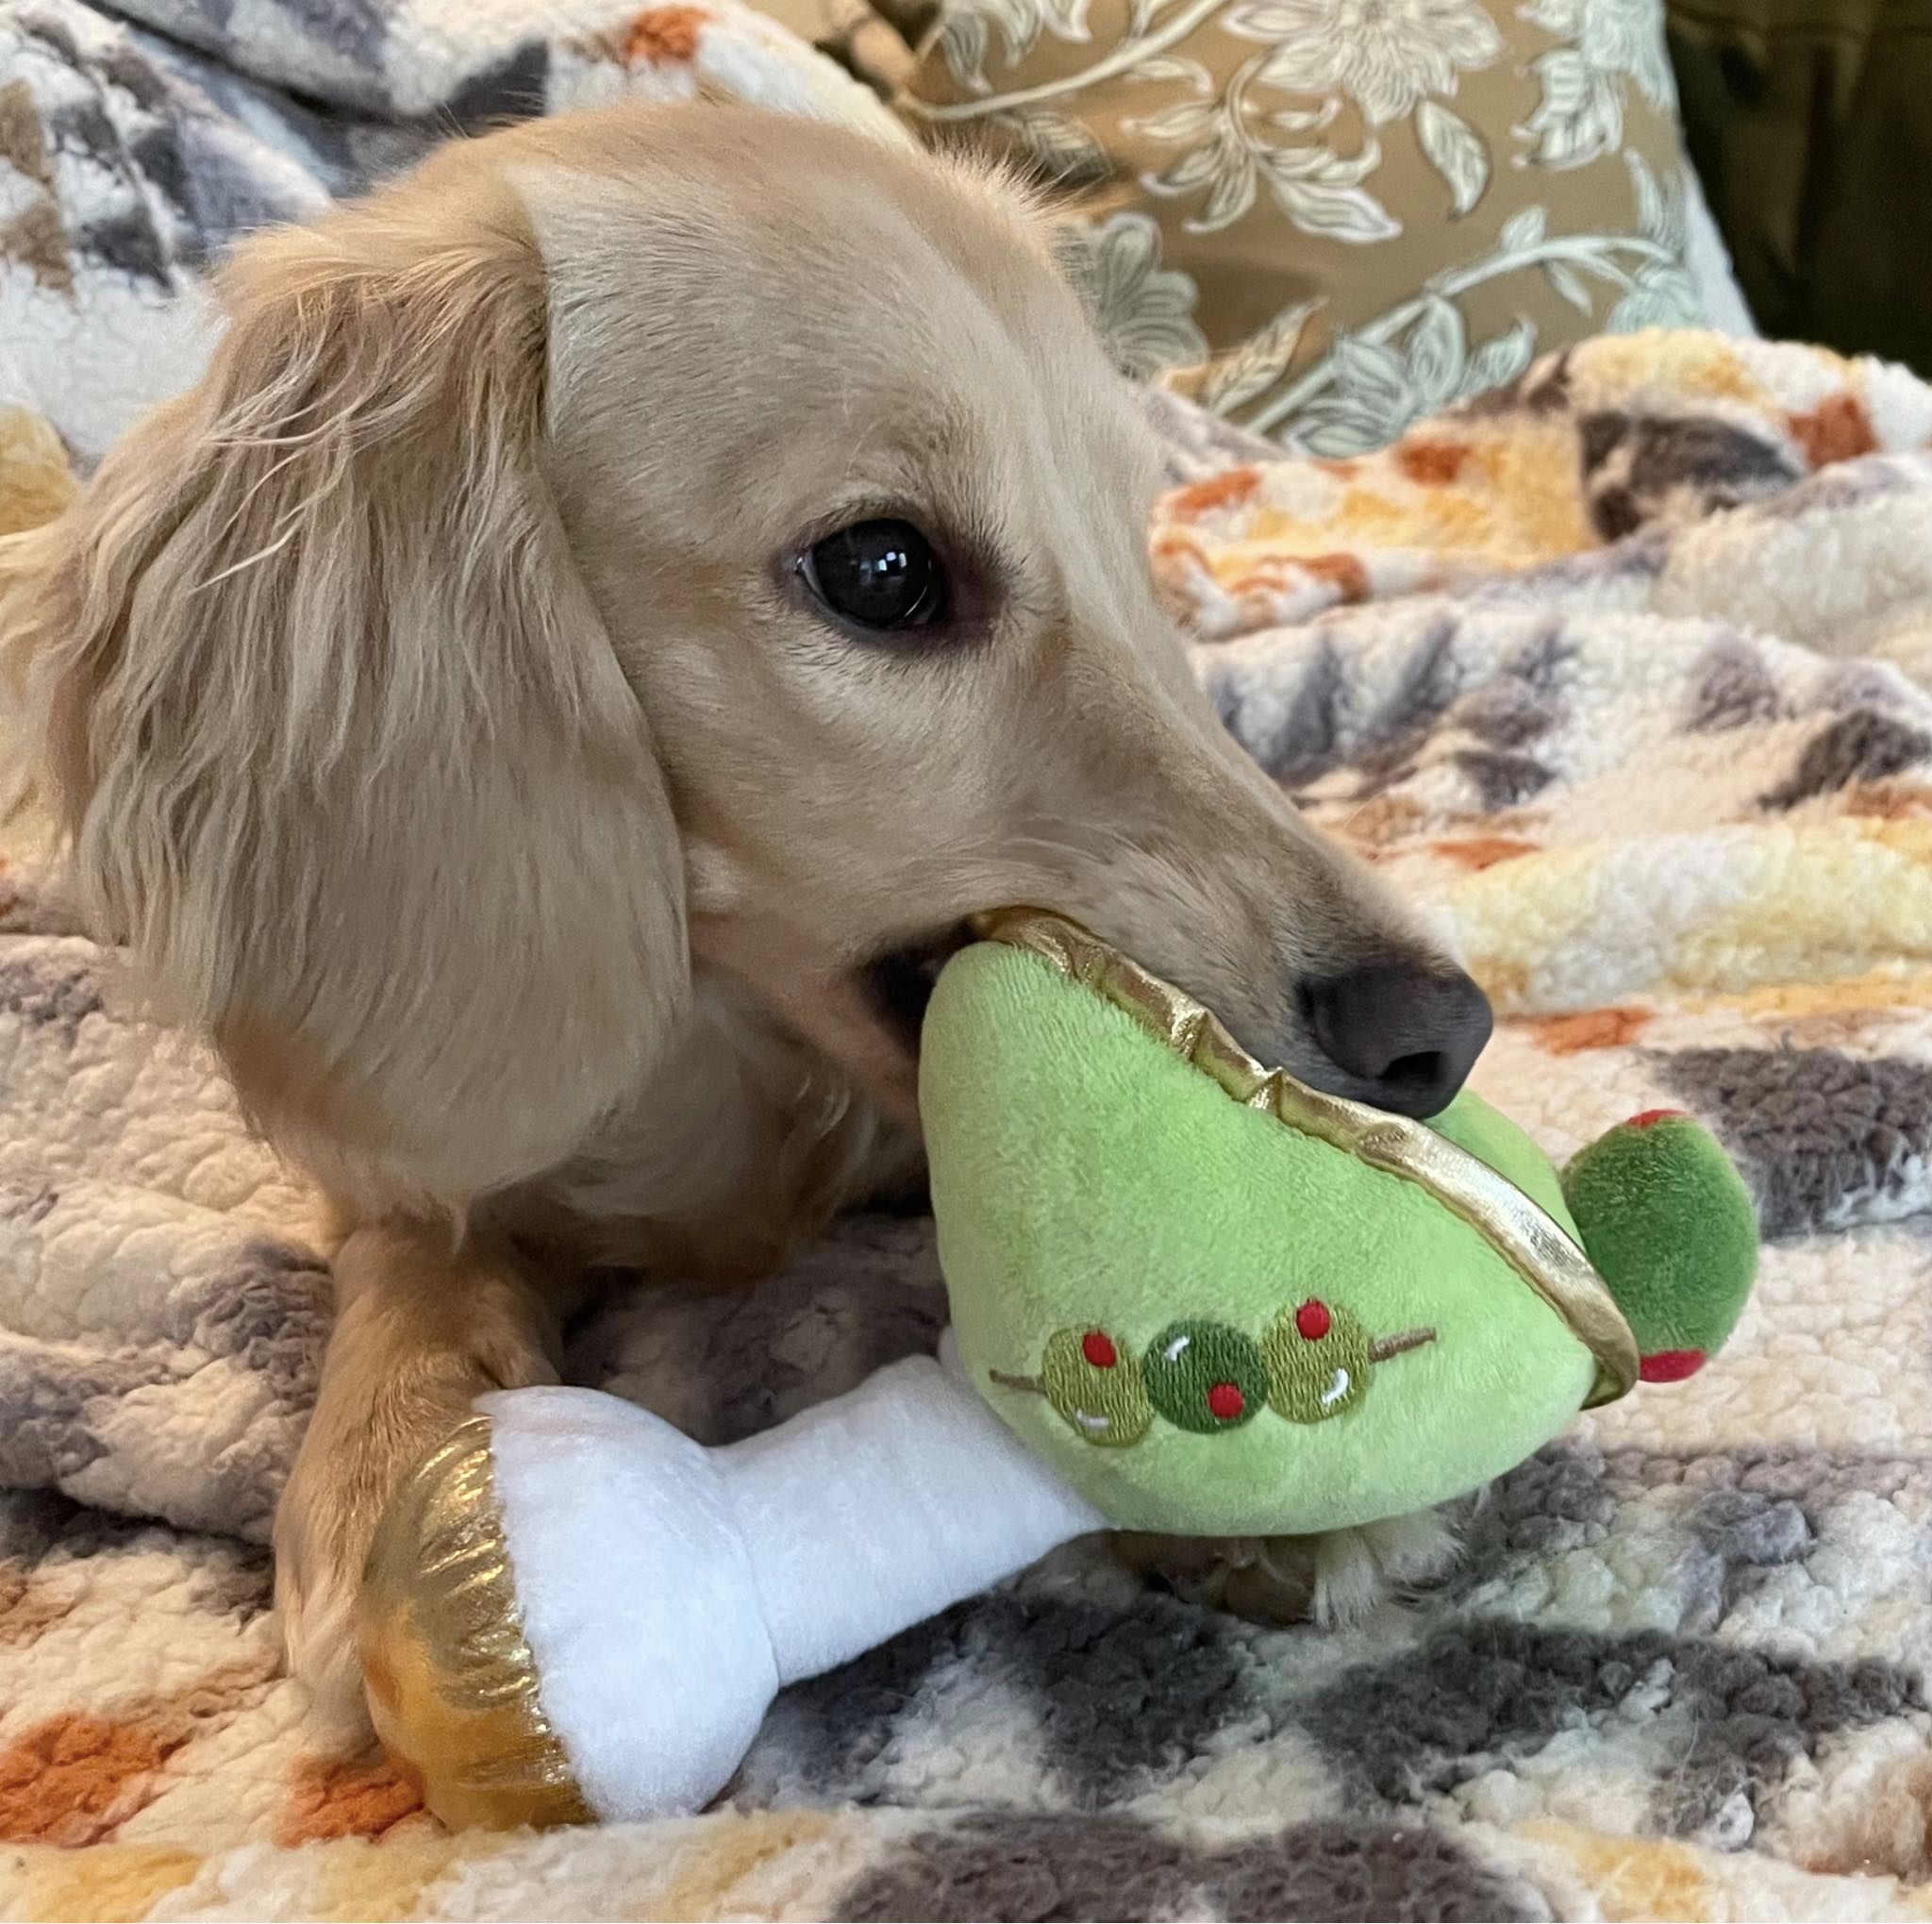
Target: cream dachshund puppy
{"type": "Point", "coordinates": [544, 704]}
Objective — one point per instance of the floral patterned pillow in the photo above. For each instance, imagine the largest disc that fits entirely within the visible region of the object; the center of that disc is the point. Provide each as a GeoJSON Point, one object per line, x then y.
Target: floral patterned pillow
{"type": "Point", "coordinates": [1328, 217]}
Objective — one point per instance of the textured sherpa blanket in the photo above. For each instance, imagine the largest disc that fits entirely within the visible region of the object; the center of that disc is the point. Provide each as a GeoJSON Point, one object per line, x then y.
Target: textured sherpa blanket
{"type": "Point", "coordinates": [137, 145]}
{"type": "Point", "coordinates": [1615, 673]}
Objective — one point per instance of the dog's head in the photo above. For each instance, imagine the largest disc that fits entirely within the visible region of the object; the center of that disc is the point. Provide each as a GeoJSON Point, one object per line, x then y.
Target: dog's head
{"type": "Point", "coordinates": [662, 534]}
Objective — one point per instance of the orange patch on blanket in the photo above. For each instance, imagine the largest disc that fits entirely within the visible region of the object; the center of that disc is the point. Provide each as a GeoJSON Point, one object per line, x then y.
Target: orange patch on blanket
{"type": "Point", "coordinates": [1483, 851]}
{"type": "Point", "coordinates": [344, 1796]}
{"type": "Point", "coordinates": [1837, 429]}
{"type": "Point", "coordinates": [1345, 573]}
{"type": "Point", "coordinates": [1431, 464]}
{"type": "Point", "coordinates": [664, 37]}
{"type": "Point", "coordinates": [1588, 1028]}
{"type": "Point", "coordinates": [1234, 488]}
{"type": "Point", "coordinates": [74, 1779]}
{"type": "Point", "coordinates": [1170, 546]}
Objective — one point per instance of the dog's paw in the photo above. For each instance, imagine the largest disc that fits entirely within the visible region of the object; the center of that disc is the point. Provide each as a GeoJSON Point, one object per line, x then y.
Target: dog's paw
{"type": "Point", "coordinates": [1332, 1580]}
{"type": "Point", "coordinates": [382, 1408]}
{"type": "Point", "coordinates": [1265, 1579]}
{"type": "Point", "coordinates": [315, 1596]}
{"type": "Point", "coordinates": [1356, 1569]}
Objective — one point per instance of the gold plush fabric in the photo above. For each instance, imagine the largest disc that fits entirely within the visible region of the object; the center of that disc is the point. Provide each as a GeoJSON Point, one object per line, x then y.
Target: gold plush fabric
{"type": "Point", "coordinates": [452, 1686]}
{"type": "Point", "coordinates": [1325, 218]}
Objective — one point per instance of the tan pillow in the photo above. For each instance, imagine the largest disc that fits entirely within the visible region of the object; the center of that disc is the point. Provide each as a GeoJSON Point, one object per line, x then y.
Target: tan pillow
{"type": "Point", "coordinates": [1331, 217]}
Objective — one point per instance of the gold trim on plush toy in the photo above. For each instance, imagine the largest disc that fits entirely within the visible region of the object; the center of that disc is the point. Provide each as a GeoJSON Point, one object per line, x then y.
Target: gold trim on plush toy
{"type": "Point", "coordinates": [1525, 1236]}
{"type": "Point", "coordinates": [452, 1683]}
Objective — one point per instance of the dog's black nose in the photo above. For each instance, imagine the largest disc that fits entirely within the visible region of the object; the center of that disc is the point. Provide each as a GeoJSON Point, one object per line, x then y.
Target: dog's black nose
{"type": "Point", "coordinates": [1406, 1034]}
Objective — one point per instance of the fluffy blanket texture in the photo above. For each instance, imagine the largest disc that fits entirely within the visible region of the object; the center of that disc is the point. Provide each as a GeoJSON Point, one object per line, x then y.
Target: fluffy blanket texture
{"type": "Point", "coordinates": [1617, 672]}
{"type": "Point", "coordinates": [136, 147]}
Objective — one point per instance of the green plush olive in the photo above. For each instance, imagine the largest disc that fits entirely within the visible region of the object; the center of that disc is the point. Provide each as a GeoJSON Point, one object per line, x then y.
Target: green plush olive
{"type": "Point", "coordinates": [1204, 1377]}
{"type": "Point", "coordinates": [1319, 1362]}
{"type": "Point", "coordinates": [1096, 1386]}
{"type": "Point", "coordinates": [1667, 1220]}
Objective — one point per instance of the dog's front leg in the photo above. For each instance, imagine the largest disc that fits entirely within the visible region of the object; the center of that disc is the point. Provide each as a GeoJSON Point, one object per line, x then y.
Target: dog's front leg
{"type": "Point", "coordinates": [423, 1327]}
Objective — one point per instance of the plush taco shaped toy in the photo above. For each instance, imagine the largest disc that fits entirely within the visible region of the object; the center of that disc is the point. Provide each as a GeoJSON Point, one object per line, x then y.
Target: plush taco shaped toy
{"type": "Point", "coordinates": [1221, 1302]}
{"type": "Point", "coordinates": [1189, 1296]}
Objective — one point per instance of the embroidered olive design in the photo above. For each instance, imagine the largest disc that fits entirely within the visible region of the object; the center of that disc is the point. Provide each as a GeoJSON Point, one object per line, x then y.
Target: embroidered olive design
{"type": "Point", "coordinates": [1204, 1377]}
{"type": "Point", "coordinates": [1320, 1361]}
{"type": "Point", "coordinates": [1315, 1361]}
{"type": "Point", "coordinates": [1096, 1386]}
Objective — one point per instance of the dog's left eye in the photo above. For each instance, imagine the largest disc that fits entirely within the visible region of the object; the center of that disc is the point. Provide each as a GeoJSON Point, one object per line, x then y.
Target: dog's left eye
{"type": "Point", "coordinates": [878, 574]}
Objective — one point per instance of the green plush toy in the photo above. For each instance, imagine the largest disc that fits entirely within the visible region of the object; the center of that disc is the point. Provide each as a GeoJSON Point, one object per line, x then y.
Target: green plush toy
{"type": "Point", "coordinates": [1220, 1302]}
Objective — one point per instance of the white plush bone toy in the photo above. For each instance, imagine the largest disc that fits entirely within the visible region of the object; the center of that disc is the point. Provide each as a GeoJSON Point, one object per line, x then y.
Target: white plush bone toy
{"type": "Point", "coordinates": [604, 1635]}
{"type": "Point", "coordinates": [1189, 1295]}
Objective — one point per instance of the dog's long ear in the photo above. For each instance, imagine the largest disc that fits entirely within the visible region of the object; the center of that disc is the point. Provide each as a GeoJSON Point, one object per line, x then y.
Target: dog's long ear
{"type": "Point", "coordinates": [340, 739]}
